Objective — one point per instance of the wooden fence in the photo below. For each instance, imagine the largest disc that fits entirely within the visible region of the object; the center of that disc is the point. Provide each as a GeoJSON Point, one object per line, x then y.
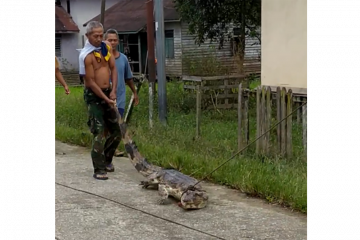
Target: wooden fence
{"type": "Point", "coordinates": [285, 103]}
{"type": "Point", "coordinates": [218, 92]}
{"type": "Point", "coordinates": [271, 107]}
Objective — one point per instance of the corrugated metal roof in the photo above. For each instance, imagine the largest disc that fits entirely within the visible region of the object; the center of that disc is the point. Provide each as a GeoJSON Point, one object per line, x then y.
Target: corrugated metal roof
{"type": "Point", "coordinates": [130, 15]}
{"type": "Point", "coordinates": [63, 21]}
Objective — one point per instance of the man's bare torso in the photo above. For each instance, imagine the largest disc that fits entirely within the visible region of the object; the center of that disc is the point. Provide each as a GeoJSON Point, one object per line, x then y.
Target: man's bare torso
{"type": "Point", "coordinates": [101, 71]}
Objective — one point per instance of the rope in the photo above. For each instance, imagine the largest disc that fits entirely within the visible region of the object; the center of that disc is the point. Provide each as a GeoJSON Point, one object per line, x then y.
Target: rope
{"type": "Point", "coordinates": [207, 175]}
{"type": "Point", "coordinates": [139, 210]}
{"type": "Point", "coordinates": [191, 187]}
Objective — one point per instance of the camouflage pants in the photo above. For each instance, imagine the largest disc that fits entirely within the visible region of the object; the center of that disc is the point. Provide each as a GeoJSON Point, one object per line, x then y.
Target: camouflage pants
{"type": "Point", "coordinates": [101, 115]}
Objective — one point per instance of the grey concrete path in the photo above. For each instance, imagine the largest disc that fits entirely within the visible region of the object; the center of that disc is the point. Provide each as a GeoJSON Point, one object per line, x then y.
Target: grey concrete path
{"type": "Point", "coordinates": [229, 215]}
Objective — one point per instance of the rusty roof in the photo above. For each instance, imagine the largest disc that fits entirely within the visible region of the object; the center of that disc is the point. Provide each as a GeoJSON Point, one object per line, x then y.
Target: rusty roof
{"type": "Point", "coordinates": [63, 21]}
{"type": "Point", "coordinates": [130, 15]}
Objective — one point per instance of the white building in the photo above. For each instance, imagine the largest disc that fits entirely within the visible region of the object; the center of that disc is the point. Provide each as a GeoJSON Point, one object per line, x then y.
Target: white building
{"type": "Point", "coordinates": [284, 44]}
{"type": "Point", "coordinates": [69, 30]}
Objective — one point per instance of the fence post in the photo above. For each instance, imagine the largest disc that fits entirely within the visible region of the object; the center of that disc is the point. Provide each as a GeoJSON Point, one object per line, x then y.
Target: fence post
{"type": "Point", "coordinates": [283, 123]}
{"type": "Point", "coordinates": [278, 118]}
{"type": "Point", "coordinates": [298, 114]}
{"type": "Point", "coordinates": [246, 119]}
{"type": "Point", "coordinates": [198, 110]}
{"type": "Point", "coordinates": [263, 121]}
{"type": "Point", "coordinates": [268, 118]}
{"type": "Point", "coordinates": [240, 140]}
{"type": "Point", "coordinates": [304, 128]}
{"type": "Point", "coordinates": [258, 89]}
{"type": "Point", "coordinates": [289, 124]}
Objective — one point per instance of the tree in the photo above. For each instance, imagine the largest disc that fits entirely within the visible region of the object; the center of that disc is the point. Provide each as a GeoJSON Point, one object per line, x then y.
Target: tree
{"type": "Point", "coordinates": [212, 19]}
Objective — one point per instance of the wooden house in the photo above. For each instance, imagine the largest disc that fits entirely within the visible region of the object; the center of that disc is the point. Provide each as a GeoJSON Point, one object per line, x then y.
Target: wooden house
{"type": "Point", "coordinates": [183, 55]}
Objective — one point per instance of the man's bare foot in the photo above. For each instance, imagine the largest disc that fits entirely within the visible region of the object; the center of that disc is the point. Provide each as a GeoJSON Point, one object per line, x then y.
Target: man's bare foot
{"type": "Point", "coordinates": [118, 153]}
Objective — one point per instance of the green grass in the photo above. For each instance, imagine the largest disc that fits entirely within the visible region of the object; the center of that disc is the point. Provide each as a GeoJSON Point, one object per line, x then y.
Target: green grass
{"type": "Point", "coordinates": [272, 178]}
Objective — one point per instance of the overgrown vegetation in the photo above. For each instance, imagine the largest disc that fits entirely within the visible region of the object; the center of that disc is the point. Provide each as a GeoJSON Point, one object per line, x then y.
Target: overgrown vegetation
{"type": "Point", "coordinates": [213, 19]}
{"type": "Point", "coordinates": [205, 64]}
{"type": "Point", "coordinates": [216, 21]}
{"type": "Point", "coordinates": [275, 179]}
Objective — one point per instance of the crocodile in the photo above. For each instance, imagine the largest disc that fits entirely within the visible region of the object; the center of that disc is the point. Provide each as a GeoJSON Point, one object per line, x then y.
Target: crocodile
{"type": "Point", "coordinates": [169, 182]}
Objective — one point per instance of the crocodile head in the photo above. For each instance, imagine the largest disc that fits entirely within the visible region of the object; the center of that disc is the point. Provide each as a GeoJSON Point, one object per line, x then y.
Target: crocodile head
{"type": "Point", "coordinates": [193, 199]}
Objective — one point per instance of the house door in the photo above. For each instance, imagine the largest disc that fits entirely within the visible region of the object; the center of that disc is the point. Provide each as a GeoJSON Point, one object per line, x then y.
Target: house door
{"type": "Point", "coordinates": [143, 43]}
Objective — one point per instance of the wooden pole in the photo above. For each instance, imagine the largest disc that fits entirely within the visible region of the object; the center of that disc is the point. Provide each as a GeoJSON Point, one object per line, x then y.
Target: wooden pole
{"type": "Point", "coordinates": [102, 13]}
{"type": "Point", "coordinates": [240, 117]}
{"type": "Point", "coordinates": [198, 110]}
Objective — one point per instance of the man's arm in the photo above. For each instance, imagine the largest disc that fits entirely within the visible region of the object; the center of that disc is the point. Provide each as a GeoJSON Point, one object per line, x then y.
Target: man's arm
{"type": "Point", "coordinates": [59, 77]}
{"type": "Point", "coordinates": [128, 77]}
{"type": "Point", "coordinates": [58, 74]}
{"type": "Point", "coordinates": [130, 83]}
{"type": "Point", "coordinates": [90, 79]}
{"type": "Point", "coordinates": [114, 73]}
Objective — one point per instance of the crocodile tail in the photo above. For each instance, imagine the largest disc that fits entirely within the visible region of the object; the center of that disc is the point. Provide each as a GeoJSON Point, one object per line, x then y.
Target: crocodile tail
{"type": "Point", "coordinates": [140, 163]}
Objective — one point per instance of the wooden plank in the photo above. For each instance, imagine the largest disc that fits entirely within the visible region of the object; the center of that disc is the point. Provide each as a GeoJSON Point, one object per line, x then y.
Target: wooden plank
{"type": "Point", "coordinates": [246, 120]}
{"type": "Point", "coordinates": [212, 78]}
{"type": "Point", "coordinates": [289, 147]}
{"type": "Point", "coordinates": [220, 96]}
{"type": "Point", "coordinates": [298, 112]}
{"type": "Point", "coordinates": [240, 140]}
{"type": "Point", "coordinates": [278, 118]}
{"type": "Point", "coordinates": [191, 78]}
{"type": "Point", "coordinates": [263, 120]}
{"type": "Point", "coordinates": [258, 112]}
{"type": "Point", "coordinates": [214, 87]}
{"type": "Point", "coordinates": [299, 92]}
{"type": "Point", "coordinates": [304, 128]}
{"type": "Point", "coordinates": [198, 110]}
{"type": "Point", "coordinates": [283, 123]}
{"type": "Point", "coordinates": [226, 91]}
{"type": "Point", "coordinates": [268, 118]}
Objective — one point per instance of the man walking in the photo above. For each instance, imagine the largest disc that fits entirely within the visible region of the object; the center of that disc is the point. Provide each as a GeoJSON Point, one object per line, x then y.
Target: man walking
{"type": "Point", "coordinates": [124, 75]}
{"type": "Point", "coordinates": [96, 62]}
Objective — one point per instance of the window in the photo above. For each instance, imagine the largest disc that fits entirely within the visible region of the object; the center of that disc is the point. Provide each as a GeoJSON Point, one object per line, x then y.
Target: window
{"type": "Point", "coordinates": [169, 43]}
{"type": "Point", "coordinates": [121, 45]}
{"type": "Point", "coordinates": [58, 45]}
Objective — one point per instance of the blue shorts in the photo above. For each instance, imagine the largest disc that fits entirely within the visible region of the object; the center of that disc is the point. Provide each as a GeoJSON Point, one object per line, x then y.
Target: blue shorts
{"type": "Point", "coordinates": [121, 111]}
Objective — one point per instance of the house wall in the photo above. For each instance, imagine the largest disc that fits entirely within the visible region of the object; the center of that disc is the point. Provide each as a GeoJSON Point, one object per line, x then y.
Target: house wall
{"type": "Point", "coordinates": [69, 59]}
{"type": "Point", "coordinates": [222, 59]}
{"type": "Point", "coordinates": [252, 59]}
{"type": "Point", "coordinates": [81, 11]}
{"type": "Point", "coordinates": [284, 44]}
{"type": "Point", "coordinates": [173, 66]}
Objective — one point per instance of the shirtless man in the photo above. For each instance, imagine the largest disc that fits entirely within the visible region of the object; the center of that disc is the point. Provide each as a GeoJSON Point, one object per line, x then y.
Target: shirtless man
{"type": "Point", "coordinates": [100, 99]}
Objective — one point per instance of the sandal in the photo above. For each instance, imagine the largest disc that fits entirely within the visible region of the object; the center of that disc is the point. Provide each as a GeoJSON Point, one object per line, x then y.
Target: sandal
{"type": "Point", "coordinates": [110, 168]}
{"type": "Point", "coordinates": [100, 176]}
{"type": "Point", "coordinates": [118, 153]}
